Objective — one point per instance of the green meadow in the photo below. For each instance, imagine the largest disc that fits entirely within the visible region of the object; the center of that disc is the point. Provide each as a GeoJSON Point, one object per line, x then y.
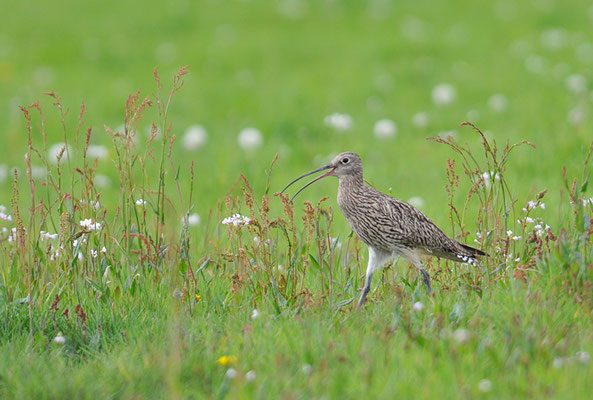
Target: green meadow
{"type": "Point", "coordinates": [145, 251]}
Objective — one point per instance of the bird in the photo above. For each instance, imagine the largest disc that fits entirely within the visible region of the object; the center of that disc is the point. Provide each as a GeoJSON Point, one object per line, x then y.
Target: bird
{"type": "Point", "coordinates": [388, 226]}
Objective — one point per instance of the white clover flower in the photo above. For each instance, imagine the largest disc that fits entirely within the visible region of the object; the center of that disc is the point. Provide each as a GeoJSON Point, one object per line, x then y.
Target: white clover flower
{"type": "Point", "coordinates": [43, 235]}
{"type": "Point", "coordinates": [461, 335]}
{"type": "Point", "coordinates": [516, 237]}
{"type": "Point", "coordinates": [60, 339]}
{"type": "Point", "coordinates": [498, 102]}
{"type": "Point", "coordinates": [420, 120]}
{"type": "Point", "coordinates": [97, 151]}
{"type": "Point", "coordinates": [90, 225]}
{"type": "Point", "coordinates": [576, 83]}
{"type": "Point", "coordinates": [416, 201]}
{"type": "Point", "coordinates": [338, 121]}
{"type": "Point", "coordinates": [55, 150]}
{"type": "Point", "coordinates": [38, 171]}
{"type": "Point", "coordinates": [194, 219]}
{"type": "Point", "coordinates": [102, 181]}
{"type": "Point", "coordinates": [231, 373]}
{"type": "Point", "coordinates": [140, 202]}
{"type": "Point", "coordinates": [195, 136]}
{"type": "Point", "coordinates": [509, 233]}
{"type": "Point", "coordinates": [236, 220]}
{"type": "Point", "coordinates": [250, 376]}
{"type": "Point", "coordinates": [385, 128]}
{"type": "Point", "coordinates": [307, 369]}
{"type": "Point", "coordinates": [250, 139]}
{"type": "Point", "coordinates": [418, 306]}
{"type": "Point", "coordinates": [443, 94]}
{"type": "Point", "coordinates": [484, 385]}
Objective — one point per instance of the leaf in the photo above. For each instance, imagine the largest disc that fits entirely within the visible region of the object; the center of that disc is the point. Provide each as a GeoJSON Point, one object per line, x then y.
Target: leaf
{"type": "Point", "coordinates": [584, 185]}
{"type": "Point", "coordinates": [345, 302]}
{"type": "Point", "coordinates": [314, 261]}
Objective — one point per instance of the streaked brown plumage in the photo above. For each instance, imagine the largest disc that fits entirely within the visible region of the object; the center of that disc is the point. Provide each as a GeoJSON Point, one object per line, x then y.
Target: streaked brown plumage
{"type": "Point", "coordinates": [390, 227]}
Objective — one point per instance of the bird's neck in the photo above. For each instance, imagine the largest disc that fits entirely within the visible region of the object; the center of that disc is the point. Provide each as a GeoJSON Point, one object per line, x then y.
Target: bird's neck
{"type": "Point", "coordinates": [351, 182]}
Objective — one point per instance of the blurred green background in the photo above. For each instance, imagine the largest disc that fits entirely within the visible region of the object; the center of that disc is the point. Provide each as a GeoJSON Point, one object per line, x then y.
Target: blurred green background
{"type": "Point", "coordinates": [519, 70]}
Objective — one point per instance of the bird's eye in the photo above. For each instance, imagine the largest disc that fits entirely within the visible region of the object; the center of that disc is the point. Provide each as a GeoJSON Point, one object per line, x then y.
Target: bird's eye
{"type": "Point", "coordinates": [345, 160]}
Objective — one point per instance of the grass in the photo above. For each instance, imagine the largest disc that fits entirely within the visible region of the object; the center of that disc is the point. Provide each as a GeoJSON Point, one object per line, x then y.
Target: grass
{"type": "Point", "coordinates": [139, 302]}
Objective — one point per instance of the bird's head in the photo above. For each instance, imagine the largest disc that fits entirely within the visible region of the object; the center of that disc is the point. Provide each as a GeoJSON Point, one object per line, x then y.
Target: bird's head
{"type": "Point", "coordinates": [343, 165]}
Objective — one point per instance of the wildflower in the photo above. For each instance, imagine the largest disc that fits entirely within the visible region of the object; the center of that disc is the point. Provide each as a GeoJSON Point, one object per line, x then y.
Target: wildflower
{"type": "Point", "coordinates": [516, 237]}
{"type": "Point", "coordinates": [338, 121]}
{"type": "Point", "coordinates": [250, 376]}
{"type": "Point", "coordinates": [140, 202]}
{"type": "Point", "coordinates": [498, 102]}
{"type": "Point", "coordinates": [12, 235]}
{"type": "Point", "coordinates": [6, 217]}
{"type": "Point", "coordinates": [97, 151]}
{"type": "Point", "coordinates": [93, 203]}
{"type": "Point", "coordinates": [420, 120]}
{"type": "Point", "coordinates": [485, 385]}
{"type": "Point", "coordinates": [418, 306]}
{"type": "Point", "coordinates": [307, 369]}
{"type": "Point", "coordinates": [226, 360]}
{"type": "Point", "coordinates": [90, 225]}
{"type": "Point", "coordinates": [254, 313]}
{"type": "Point", "coordinates": [231, 373]}
{"type": "Point", "coordinates": [488, 176]}
{"type": "Point", "coordinates": [583, 357]}
{"type": "Point", "coordinates": [198, 297]}
{"type": "Point", "coordinates": [60, 339]}
{"type": "Point", "coordinates": [385, 128]}
{"type": "Point", "coordinates": [236, 220]}
{"type": "Point", "coordinates": [94, 253]}
{"type": "Point", "coordinates": [250, 138]}
{"type": "Point", "coordinates": [193, 219]}
{"type": "Point", "coordinates": [461, 335]}
{"type": "Point", "coordinates": [194, 137]}
{"type": "Point", "coordinates": [47, 236]}
{"type": "Point", "coordinates": [102, 181]}
{"type": "Point", "coordinates": [104, 250]}
{"type": "Point", "coordinates": [55, 150]}
{"type": "Point", "coordinates": [443, 94]}
{"type": "Point", "coordinates": [576, 83]}
{"type": "Point", "coordinates": [416, 201]}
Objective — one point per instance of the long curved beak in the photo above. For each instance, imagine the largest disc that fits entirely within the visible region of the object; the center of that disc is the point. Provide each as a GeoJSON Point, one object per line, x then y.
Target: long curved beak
{"type": "Point", "coordinates": [328, 166]}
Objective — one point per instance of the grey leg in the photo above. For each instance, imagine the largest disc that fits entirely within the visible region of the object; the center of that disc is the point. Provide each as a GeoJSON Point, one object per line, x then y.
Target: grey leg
{"type": "Point", "coordinates": [414, 258]}
{"type": "Point", "coordinates": [365, 289]}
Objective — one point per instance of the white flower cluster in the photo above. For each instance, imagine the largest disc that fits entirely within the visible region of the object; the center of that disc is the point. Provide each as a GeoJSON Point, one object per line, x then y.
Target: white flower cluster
{"type": "Point", "coordinates": [514, 237]}
{"type": "Point", "coordinates": [90, 225]}
{"type": "Point", "coordinates": [531, 204]}
{"type": "Point", "coordinates": [338, 121]}
{"type": "Point", "coordinates": [4, 216]}
{"type": "Point", "coordinates": [488, 177]}
{"type": "Point", "coordinates": [236, 220]}
{"type": "Point", "coordinates": [43, 235]}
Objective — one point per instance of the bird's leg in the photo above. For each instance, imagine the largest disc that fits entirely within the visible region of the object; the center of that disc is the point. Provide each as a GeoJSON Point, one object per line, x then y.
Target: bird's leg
{"type": "Point", "coordinates": [426, 279]}
{"type": "Point", "coordinates": [376, 259]}
{"type": "Point", "coordinates": [367, 286]}
{"type": "Point", "coordinates": [414, 258]}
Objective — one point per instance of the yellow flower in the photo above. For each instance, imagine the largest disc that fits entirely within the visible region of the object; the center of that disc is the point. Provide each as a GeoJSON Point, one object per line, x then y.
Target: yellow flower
{"type": "Point", "coordinates": [226, 360]}
{"type": "Point", "coordinates": [198, 297]}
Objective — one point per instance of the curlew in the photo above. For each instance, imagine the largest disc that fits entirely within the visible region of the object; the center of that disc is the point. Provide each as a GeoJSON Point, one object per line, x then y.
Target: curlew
{"type": "Point", "coordinates": [390, 227]}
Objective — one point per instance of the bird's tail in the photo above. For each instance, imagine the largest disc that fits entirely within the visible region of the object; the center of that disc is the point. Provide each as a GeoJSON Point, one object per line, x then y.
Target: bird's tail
{"type": "Point", "coordinates": [473, 250]}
